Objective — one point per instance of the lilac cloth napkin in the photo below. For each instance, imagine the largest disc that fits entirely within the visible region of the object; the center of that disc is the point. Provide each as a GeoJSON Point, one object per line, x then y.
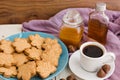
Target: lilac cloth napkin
{"type": "Point", "coordinates": [52, 26]}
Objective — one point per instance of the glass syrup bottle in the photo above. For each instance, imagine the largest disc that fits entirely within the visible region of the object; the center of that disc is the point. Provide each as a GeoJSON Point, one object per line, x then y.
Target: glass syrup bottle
{"type": "Point", "coordinates": [98, 23]}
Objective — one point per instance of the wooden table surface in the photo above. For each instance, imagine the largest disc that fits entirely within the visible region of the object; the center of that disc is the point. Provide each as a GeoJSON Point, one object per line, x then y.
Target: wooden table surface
{"type": "Point", "coordinates": [10, 29]}
{"type": "Point", "coordinates": [19, 11]}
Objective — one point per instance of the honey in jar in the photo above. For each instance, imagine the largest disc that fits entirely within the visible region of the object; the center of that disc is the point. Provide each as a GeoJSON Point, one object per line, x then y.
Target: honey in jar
{"type": "Point", "coordinates": [71, 31]}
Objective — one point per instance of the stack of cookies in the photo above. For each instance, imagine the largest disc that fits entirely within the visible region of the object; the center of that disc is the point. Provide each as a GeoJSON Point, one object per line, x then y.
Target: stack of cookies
{"type": "Point", "coordinates": [26, 57]}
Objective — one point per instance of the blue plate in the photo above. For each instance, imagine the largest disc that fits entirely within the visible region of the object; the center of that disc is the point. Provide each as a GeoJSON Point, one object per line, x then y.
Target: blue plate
{"type": "Point", "coordinates": [62, 61]}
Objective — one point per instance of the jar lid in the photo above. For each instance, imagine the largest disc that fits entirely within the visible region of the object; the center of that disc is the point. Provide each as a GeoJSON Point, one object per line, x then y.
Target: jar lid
{"type": "Point", "coordinates": [72, 17]}
{"type": "Point", "coordinates": [100, 6]}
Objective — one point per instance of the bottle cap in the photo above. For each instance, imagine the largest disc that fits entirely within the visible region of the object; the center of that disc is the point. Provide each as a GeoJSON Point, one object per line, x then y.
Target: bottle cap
{"type": "Point", "coordinates": [100, 6]}
{"type": "Point", "coordinates": [72, 17]}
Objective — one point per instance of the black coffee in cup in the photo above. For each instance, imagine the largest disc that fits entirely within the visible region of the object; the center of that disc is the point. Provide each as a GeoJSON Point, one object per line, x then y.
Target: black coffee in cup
{"type": "Point", "coordinates": [93, 51]}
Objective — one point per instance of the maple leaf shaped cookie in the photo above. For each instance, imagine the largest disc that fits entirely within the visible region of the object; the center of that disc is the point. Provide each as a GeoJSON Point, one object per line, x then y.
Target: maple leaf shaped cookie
{"type": "Point", "coordinates": [8, 72]}
{"type": "Point", "coordinates": [36, 40]}
{"type": "Point", "coordinates": [51, 57]}
{"type": "Point", "coordinates": [48, 42]}
{"type": "Point", "coordinates": [6, 60]}
{"type": "Point", "coordinates": [52, 44]}
{"type": "Point", "coordinates": [33, 53]}
{"type": "Point", "coordinates": [6, 46]}
{"type": "Point", "coordinates": [44, 69]}
{"type": "Point", "coordinates": [20, 44]}
{"type": "Point", "coordinates": [20, 58]}
{"type": "Point", "coordinates": [26, 71]}
{"type": "Point", "coordinates": [52, 51]}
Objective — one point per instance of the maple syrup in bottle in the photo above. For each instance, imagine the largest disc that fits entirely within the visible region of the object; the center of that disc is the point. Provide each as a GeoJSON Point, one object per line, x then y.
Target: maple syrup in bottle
{"type": "Point", "coordinates": [98, 23]}
{"type": "Point", "coordinates": [71, 31]}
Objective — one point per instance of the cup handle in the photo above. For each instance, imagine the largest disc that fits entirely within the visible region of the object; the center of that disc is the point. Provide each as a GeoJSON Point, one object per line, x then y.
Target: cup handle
{"type": "Point", "coordinates": [109, 57]}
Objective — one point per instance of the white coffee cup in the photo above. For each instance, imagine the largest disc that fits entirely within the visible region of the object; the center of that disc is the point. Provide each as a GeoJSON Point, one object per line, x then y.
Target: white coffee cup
{"type": "Point", "coordinates": [92, 64]}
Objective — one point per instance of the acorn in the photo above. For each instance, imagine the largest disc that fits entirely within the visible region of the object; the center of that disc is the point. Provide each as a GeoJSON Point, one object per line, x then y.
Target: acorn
{"type": "Point", "coordinates": [62, 79]}
{"type": "Point", "coordinates": [101, 73]}
{"type": "Point", "coordinates": [71, 48]}
{"type": "Point", "coordinates": [106, 68]}
{"type": "Point", "coordinates": [71, 77]}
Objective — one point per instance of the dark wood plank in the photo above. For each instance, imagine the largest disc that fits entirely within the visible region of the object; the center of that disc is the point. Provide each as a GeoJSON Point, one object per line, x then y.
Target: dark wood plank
{"type": "Point", "coordinates": [18, 11]}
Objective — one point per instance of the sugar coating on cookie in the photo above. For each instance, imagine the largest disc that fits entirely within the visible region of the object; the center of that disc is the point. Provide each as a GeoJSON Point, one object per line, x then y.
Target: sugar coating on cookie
{"type": "Point", "coordinates": [6, 60]}
{"type": "Point", "coordinates": [33, 53]}
{"type": "Point", "coordinates": [20, 44]}
{"type": "Point", "coordinates": [6, 46]}
{"type": "Point", "coordinates": [20, 58]}
{"type": "Point", "coordinates": [8, 72]}
{"type": "Point", "coordinates": [26, 71]}
{"type": "Point", "coordinates": [44, 69]}
{"type": "Point", "coordinates": [36, 40]}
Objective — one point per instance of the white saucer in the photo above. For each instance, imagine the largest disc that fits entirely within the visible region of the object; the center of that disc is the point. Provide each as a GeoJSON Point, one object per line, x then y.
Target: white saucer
{"type": "Point", "coordinates": [74, 64]}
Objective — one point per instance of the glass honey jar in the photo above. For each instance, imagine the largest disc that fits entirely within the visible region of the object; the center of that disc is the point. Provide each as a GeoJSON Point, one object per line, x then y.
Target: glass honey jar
{"type": "Point", "coordinates": [71, 31]}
